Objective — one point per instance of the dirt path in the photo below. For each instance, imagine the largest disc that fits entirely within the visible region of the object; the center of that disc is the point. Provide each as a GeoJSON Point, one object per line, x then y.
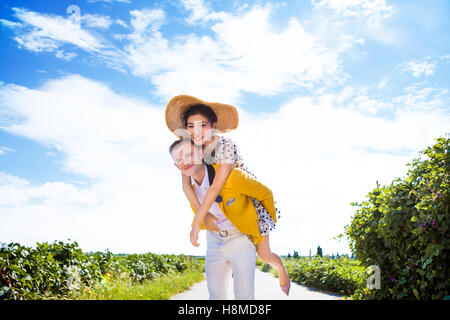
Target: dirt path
{"type": "Point", "coordinates": [266, 288]}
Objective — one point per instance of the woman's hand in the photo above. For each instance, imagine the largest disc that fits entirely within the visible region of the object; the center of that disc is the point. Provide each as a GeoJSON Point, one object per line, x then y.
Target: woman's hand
{"type": "Point", "coordinates": [194, 235]}
{"type": "Point", "coordinates": [210, 222]}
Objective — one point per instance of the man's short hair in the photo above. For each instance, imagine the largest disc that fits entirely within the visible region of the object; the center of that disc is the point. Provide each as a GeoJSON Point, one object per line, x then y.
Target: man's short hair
{"type": "Point", "coordinates": [179, 141]}
{"type": "Point", "coordinates": [174, 144]}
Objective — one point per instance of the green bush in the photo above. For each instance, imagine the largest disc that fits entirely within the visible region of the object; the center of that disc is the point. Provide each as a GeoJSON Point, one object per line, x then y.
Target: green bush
{"type": "Point", "coordinates": [404, 229]}
{"type": "Point", "coordinates": [56, 269]}
{"type": "Point", "coordinates": [335, 275]}
{"type": "Point", "coordinates": [149, 266]}
{"type": "Point", "coordinates": [26, 272]}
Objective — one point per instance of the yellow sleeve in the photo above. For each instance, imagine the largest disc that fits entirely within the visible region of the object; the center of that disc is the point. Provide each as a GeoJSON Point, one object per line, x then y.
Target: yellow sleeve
{"type": "Point", "coordinates": [202, 226]}
{"type": "Point", "coordinates": [245, 184]}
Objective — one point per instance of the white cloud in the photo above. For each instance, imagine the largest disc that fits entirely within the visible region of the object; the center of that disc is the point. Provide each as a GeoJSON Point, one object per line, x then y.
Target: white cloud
{"type": "Point", "coordinates": [342, 24]}
{"type": "Point", "coordinates": [244, 54]}
{"type": "Point", "coordinates": [420, 67]}
{"type": "Point", "coordinates": [121, 23]}
{"type": "Point", "coordinates": [414, 98]}
{"type": "Point", "coordinates": [198, 10]}
{"type": "Point", "coordinates": [15, 191]}
{"type": "Point", "coordinates": [52, 33]}
{"type": "Point", "coordinates": [313, 148]}
{"type": "Point", "coordinates": [65, 55]}
{"type": "Point", "coordinates": [10, 190]}
{"type": "Point", "coordinates": [383, 82]}
{"type": "Point", "coordinates": [147, 20]}
{"type": "Point", "coordinates": [3, 150]}
{"type": "Point", "coordinates": [372, 11]}
{"type": "Point", "coordinates": [424, 99]}
{"type": "Point", "coordinates": [49, 32]}
{"type": "Point", "coordinates": [96, 21]}
{"type": "Point", "coordinates": [10, 24]}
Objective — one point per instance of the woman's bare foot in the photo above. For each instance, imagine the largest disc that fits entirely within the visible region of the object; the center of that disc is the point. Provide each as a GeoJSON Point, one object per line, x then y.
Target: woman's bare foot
{"type": "Point", "coordinates": [285, 283]}
{"type": "Point", "coordinates": [286, 288]}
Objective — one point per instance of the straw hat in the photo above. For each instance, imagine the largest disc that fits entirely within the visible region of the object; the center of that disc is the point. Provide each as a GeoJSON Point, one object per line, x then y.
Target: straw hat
{"type": "Point", "coordinates": [227, 115]}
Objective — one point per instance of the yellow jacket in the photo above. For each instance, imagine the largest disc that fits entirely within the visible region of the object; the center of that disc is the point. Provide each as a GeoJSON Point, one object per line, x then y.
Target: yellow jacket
{"type": "Point", "coordinates": [237, 206]}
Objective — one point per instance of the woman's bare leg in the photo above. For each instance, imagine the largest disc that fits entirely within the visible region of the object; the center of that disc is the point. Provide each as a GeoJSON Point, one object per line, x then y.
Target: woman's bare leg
{"type": "Point", "coordinates": [267, 256]}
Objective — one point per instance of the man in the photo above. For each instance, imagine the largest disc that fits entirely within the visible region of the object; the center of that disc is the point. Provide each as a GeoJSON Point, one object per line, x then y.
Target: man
{"type": "Point", "coordinates": [233, 247]}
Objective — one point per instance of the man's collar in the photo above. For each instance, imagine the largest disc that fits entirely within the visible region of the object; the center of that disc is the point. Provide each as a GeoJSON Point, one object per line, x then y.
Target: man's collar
{"type": "Point", "coordinates": [210, 173]}
{"type": "Point", "coordinates": [205, 181]}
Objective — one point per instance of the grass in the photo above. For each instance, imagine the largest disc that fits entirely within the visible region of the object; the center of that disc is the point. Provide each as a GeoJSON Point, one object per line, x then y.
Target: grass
{"type": "Point", "coordinates": [159, 289]}
{"type": "Point", "coordinates": [122, 288]}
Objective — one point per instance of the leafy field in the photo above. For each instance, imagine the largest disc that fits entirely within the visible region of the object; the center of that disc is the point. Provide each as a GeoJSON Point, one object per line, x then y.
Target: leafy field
{"type": "Point", "coordinates": [342, 276]}
{"type": "Point", "coordinates": [63, 271]}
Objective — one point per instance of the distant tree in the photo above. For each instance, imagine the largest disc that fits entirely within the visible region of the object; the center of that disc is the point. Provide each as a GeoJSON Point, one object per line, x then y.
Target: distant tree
{"type": "Point", "coordinates": [289, 255]}
{"type": "Point", "coordinates": [295, 254]}
{"type": "Point", "coordinates": [319, 251]}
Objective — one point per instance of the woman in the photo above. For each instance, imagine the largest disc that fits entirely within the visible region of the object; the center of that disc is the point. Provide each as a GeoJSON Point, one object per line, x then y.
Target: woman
{"type": "Point", "coordinates": [202, 120]}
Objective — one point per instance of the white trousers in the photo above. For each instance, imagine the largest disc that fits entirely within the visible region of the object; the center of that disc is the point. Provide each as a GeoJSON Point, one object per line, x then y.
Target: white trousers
{"type": "Point", "coordinates": [225, 254]}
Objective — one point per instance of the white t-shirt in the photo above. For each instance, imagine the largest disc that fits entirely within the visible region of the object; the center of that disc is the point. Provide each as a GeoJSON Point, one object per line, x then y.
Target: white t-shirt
{"type": "Point", "coordinates": [200, 191]}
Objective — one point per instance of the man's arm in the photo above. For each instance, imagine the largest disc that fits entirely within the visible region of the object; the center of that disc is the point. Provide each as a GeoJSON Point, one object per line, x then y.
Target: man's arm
{"type": "Point", "coordinates": [189, 192]}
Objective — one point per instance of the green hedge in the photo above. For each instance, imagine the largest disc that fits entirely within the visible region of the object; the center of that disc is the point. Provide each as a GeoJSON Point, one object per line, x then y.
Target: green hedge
{"type": "Point", "coordinates": [57, 268]}
{"type": "Point", "coordinates": [340, 276]}
{"type": "Point", "coordinates": [404, 229]}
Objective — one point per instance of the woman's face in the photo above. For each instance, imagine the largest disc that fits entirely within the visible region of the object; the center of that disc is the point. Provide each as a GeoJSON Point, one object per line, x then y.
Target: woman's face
{"type": "Point", "coordinates": [200, 129]}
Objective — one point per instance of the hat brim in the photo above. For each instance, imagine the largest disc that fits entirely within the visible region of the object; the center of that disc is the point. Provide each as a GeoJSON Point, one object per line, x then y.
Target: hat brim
{"type": "Point", "coordinates": [227, 115]}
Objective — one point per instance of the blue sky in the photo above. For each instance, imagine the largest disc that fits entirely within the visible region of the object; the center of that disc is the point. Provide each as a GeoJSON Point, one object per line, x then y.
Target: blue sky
{"type": "Point", "coordinates": [332, 96]}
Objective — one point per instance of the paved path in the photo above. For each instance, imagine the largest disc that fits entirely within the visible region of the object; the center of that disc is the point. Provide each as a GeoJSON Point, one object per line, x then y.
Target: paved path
{"type": "Point", "coordinates": [266, 288]}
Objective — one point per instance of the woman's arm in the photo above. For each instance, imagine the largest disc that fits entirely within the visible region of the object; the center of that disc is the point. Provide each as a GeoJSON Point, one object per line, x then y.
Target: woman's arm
{"type": "Point", "coordinates": [210, 220]}
{"type": "Point", "coordinates": [219, 180]}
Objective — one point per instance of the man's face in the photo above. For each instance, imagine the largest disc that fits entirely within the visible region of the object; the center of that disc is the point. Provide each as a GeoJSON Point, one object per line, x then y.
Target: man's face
{"type": "Point", "coordinates": [187, 158]}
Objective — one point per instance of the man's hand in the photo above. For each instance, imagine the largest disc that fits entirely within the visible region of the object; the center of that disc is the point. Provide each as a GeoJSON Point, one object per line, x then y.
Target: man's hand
{"type": "Point", "coordinates": [210, 222]}
{"type": "Point", "coordinates": [194, 235]}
